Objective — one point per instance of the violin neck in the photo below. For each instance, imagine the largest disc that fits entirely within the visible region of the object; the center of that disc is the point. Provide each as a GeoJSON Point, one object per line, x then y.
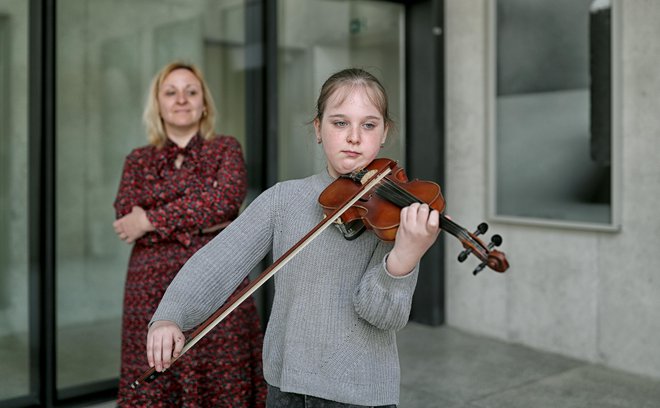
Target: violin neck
{"type": "Point", "coordinates": [464, 236]}
{"type": "Point", "coordinates": [451, 227]}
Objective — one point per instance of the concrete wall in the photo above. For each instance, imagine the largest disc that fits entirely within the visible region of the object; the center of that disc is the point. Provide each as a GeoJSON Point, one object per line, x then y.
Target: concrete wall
{"type": "Point", "coordinates": [591, 295]}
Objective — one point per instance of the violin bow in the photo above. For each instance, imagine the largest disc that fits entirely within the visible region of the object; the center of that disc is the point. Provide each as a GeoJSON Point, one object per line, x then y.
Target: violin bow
{"type": "Point", "coordinates": [234, 301]}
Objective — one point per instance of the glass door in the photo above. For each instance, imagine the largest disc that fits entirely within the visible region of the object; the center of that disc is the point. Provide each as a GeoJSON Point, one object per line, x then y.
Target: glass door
{"type": "Point", "coordinates": [311, 47]}
{"type": "Point", "coordinates": [107, 53]}
{"type": "Point", "coordinates": [14, 202]}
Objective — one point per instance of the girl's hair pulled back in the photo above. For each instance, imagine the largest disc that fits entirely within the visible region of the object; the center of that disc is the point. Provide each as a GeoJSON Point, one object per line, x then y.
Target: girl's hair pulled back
{"type": "Point", "coordinates": [346, 81]}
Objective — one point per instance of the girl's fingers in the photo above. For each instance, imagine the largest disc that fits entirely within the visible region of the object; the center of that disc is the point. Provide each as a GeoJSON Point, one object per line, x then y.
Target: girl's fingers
{"type": "Point", "coordinates": [434, 220]}
{"type": "Point", "coordinates": [157, 349]}
{"type": "Point", "coordinates": [420, 219]}
{"type": "Point", "coordinates": [167, 352]}
{"type": "Point", "coordinates": [179, 341]}
{"type": "Point", "coordinates": [150, 350]}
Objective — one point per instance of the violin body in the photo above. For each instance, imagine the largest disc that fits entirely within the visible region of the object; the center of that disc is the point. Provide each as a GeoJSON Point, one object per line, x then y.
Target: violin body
{"type": "Point", "coordinates": [374, 209]}
{"type": "Point", "coordinates": [379, 210]}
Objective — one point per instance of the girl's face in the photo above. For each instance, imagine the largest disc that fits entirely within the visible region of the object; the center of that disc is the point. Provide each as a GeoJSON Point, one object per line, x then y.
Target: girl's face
{"type": "Point", "coordinates": [351, 131]}
{"type": "Point", "coordinates": [181, 102]}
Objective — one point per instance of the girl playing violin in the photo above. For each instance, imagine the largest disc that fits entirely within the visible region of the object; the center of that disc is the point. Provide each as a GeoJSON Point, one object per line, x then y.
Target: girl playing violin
{"type": "Point", "coordinates": [330, 340]}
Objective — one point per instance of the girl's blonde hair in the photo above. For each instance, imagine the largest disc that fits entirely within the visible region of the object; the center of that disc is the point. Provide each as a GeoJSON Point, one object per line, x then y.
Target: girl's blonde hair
{"type": "Point", "coordinates": [152, 118]}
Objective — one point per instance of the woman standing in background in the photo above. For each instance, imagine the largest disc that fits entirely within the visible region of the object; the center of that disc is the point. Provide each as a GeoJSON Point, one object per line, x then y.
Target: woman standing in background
{"type": "Point", "coordinates": [175, 194]}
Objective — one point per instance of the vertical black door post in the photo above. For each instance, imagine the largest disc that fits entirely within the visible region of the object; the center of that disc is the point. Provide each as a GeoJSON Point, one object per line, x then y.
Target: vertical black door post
{"type": "Point", "coordinates": [425, 137]}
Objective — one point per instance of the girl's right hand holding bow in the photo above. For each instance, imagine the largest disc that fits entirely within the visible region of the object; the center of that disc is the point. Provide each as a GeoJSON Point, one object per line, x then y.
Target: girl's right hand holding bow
{"type": "Point", "coordinates": [164, 344]}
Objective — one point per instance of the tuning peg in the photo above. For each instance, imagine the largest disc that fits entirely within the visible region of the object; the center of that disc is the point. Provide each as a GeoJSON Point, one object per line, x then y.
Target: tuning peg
{"type": "Point", "coordinates": [496, 240]}
{"type": "Point", "coordinates": [463, 255]}
{"type": "Point", "coordinates": [481, 229]}
{"type": "Point", "coordinates": [479, 268]}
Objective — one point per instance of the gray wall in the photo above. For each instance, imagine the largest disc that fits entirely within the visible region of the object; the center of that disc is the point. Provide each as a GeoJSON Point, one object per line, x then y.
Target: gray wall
{"type": "Point", "coordinates": [590, 295]}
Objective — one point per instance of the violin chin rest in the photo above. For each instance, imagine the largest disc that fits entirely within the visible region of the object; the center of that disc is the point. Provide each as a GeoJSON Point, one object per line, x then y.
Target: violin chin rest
{"type": "Point", "coordinates": [351, 230]}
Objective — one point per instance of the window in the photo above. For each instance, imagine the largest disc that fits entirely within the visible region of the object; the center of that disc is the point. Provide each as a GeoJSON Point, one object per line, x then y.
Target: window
{"type": "Point", "coordinates": [554, 132]}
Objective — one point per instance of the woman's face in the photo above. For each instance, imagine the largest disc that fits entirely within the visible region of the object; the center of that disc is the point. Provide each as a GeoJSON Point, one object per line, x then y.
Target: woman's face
{"type": "Point", "coordinates": [351, 131]}
{"type": "Point", "coordinates": [181, 102]}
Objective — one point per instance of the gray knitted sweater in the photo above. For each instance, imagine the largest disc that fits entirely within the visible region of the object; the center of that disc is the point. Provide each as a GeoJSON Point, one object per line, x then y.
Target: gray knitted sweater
{"type": "Point", "coordinates": [331, 332]}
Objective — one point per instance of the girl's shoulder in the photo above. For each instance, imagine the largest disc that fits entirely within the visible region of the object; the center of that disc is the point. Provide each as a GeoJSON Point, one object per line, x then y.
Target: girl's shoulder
{"type": "Point", "coordinates": [298, 190]}
{"type": "Point", "coordinates": [295, 197]}
{"type": "Point", "coordinates": [316, 182]}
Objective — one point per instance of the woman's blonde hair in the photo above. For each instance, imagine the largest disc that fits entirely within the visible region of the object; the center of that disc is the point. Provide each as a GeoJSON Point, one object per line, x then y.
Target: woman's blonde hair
{"type": "Point", "coordinates": [152, 118]}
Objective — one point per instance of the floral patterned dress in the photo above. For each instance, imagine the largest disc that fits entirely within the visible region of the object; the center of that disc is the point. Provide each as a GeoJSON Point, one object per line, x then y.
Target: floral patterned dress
{"type": "Point", "coordinates": [224, 369]}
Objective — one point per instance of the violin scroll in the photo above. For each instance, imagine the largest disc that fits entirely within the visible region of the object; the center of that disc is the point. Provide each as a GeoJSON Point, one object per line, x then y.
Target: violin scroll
{"type": "Point", "coordinates": [494, 259]}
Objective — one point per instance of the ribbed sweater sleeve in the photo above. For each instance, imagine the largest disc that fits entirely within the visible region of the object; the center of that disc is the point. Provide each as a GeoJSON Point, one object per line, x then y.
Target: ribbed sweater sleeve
{"type": "Point", "coordinates": [382, 299]}
{"type": "Point", "coordinates": [212, 274]}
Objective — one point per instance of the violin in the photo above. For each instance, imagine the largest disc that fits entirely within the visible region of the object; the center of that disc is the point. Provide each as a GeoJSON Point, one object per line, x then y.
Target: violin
{"type": "Point", "coordinates": [370, 198]}
{"type": "Point", "coordinates": [379, 209]}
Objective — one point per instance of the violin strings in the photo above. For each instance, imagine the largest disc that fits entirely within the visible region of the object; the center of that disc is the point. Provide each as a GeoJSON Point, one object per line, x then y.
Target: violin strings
{"type": "Point", "coordinates": [399, 196]}
{"type": "Point", "coordinates": [396, 194]}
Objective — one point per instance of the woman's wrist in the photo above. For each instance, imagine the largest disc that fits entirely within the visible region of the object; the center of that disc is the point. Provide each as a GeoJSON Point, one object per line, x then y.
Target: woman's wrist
{"type": "Point", "coordinates": [145, 223]}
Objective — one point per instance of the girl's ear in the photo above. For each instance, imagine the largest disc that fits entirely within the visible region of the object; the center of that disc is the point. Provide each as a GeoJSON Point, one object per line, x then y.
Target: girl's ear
{"type": "Point", "coordinates": [384, 138]}
{"type": "Point", "coordinates": [317, 130]}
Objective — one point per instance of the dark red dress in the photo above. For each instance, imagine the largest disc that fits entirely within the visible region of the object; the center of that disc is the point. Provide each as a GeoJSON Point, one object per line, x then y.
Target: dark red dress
{"type": "Point", "coordinates": [224, 369]}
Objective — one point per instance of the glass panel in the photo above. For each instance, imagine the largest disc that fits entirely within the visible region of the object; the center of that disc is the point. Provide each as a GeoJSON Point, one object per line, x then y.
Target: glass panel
{"type": "Point", "coordinates": [553, 102]}
{"type": "Point", "coordinates": [108, 51]}
{"type": "Point", "coordinates": [311, 47]}
{"type": "Point", "coordinates": [14, 307]}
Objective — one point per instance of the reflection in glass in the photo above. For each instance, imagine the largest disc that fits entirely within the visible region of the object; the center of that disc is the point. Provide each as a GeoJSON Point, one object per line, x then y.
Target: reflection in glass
{"type": "Point", "coordinates": [107, 53]}
{"type": "Point", "coordinates": [553, 116]}
{"type": "Point", "coordinates": [311, 47]}
{"type": "Point", "coordinates": [14, 204]}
